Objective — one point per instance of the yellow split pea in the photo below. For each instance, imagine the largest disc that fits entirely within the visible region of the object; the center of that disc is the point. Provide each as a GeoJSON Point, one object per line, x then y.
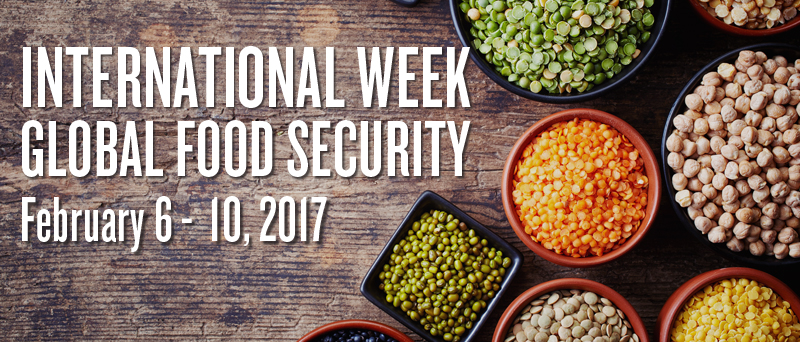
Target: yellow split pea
{"type": "Point", "coordinates": [739, 310]}
{"type": "Point", "coordinates": [580, 188]}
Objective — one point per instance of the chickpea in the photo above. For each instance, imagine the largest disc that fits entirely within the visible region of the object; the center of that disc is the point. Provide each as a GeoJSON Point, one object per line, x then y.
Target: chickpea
{"type": "Point", "coordinates": [781, 61]}
{"type": "Point", "coordinates": [774, 111]}
{"type": "Point", "coordinates": [674, 143]}
{"type": "Point", "coordinates": [714, 107]}
{"type": "Point", "coordinates": [765, 137]}
{"type": "Point", "coordinates": [693, 114]}
{"type": "Point", "coordinates": [726, 71]}
{"type": "Point", "coordinates": [733, 90]}
{"type": "Point", "coordinates": [703, 224]}
{"type": "Point", "coordinates": [761, 195]}
{"type": "Point", "coordinates": [716, 144]}
{"type": "Point", "coordinates": [707, 93]}
{"type": "Point", "coordinates": [784, 213]}
{"type": "Point", "coordinates": [793, 222]}
{"type": "Point", "coordinates": [703, 146]}
{"type": "Point", "coordinates": [787, 235]}
{"type": "Point", "coordinates": [794, 250]}
{"type": "Point", "coordinates": [779, 190]}
{"type": "Point", "coordinates": [764, 158]}
{"type": "Point", "coordinates": [694, 185]}
{"type": "Point", "coordinates": [780, 251]}
{"type": "Point", "coordinates": [768, 89]}
{"type": "Point", "coordinates": [781, 155]}
{"type": "Point", "coordinates": [793, 82]}
{"type": "Point", "coordinates": [791, 137]}
{"type": "Point", "coordinates": [755, 182]}
{"type": "Point", "coordinates": [716, 235]}
{"type": "Point", "coordinates": [758, 101]}
{"type": "Point", "coordinates": [690, 168]}
{"type": "Point", "coordinates": [715, 122]}
{"type": "Point", "coordinates": [770, 66]}
{"type": "Point", "coordinates": [729, 207]}
{"type": "Point", "coordinates": [689, 148]}
{"type": "Point", "coordinates": [745, 215]}
{"type": "Point", "coordinates": [683, 123]}
{"type": "Point", "coordinates": [742, 188]}
{"type": "Point", "coordinates": [741, 78]}
{"type": "Point", "coordinates": [719, 181]}
{"type": "Point", "coordinates": [766, 223]}
{"type": "Point", "coordinates": [741, 230]}
{"type": "Point", "coordinates": [709, 191]}
{"type": "Point", "coordinates": [737, 142]}
{"type": "Point", "coordinates": [757, 248]}
{"type": "Point", "coordinates": [752, 118]}
{"type": "Point", "coordinates": [679, 182]}
{"type": "Point", "coordinates": [727, 102]}
{"type": "Point", "coordinates": [749, 135]}
{"type": "Point", "coordinates": [675, 160]}
{"type": "Point", "coordinates": [698, 200]}
{"type": "Point", "coordinates": [704, 161]}
{"type": "Point", "coordinates": [711, 211]}
{"type": "Point", "coordinates": [735, 245]}
{"type": "Point", "coordinates": [694, 213]}
{"type": "Point", "coordinates": [712, 79]}
{"type": "Point", "coordinates": [752, 150]}
{"type": "Point", "coordinates": [785, 123]}
{"type": "Point", "coordinates": [693, 102]}
{"type": "Point", "coordinates": [745, 169]}
{"type": "Point", "coordinates": [781, 75]}
{"type": "Point", "coordinates": [730, 152]}
{"type": "Point", "coordinates": [753, 86]}
{"type": "Point", "coordinates": [705, 175]}
{"type": "Point", "coordinates": [729, 194]}
{"type": "Point", "coordinates": [755, 72]}
{"type": "Point", "coordinates": [701, 126]}
{"type": "Point", "coordinates": [729, 113]}
{"type": "Point", "coordinates": [794, 150]}
{"type": "Point", "coordinates": [777, 139]}
{"type": "Point", "coordinates": [747, 58]}
{"type": "Point", "coordinates": [742, 104]}
{"type": "Point", "coordinates": [795, 97]}
{"type": "Point", "coordinates": [765, 79]}
{"type": "Point", "coordinates": [794, 173]}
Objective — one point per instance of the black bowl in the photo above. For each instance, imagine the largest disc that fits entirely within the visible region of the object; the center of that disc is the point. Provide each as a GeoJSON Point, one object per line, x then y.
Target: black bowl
{"type": "Point", "coordinates": [427, 201]}
{"type": "Point", "coordinates": [462, 28]}
{"type": "Point", "coordinates": [744, 257]}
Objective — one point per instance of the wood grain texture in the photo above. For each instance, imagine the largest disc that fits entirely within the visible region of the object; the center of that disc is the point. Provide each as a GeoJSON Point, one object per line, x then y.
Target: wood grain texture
{"type": "Point", "coordinates": [192, 288]}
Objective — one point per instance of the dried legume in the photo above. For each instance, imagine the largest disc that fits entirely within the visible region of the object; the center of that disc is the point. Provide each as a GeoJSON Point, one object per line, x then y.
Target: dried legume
{"type": "Point", "coordinates": [353, 335]}
{"type": "Point", "coordinates": [443, 275]}
{"type": "Point", "coordinates": [559, 45]}
{"type": "Point", "coordinates": [580, 188]}
{"type": "Point", "coordinates": [752, 14]}
{"type": "Point", "coordinates": [743, 187]}
{"type": "Point", "coordinates": [569, 316]}
{"type": "Point", "coordinates": [736, 310]}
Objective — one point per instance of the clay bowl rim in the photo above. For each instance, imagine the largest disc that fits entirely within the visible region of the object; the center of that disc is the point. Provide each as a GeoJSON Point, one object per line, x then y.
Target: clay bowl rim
{"type": "Point", "coordinates": [742, 31]}
{"type": "Point", "coordinates": [355, 324]}
{"type": "Point", "coordinates": [675, 302]}
{"type": "Point", "coordinates": [569, 284]}
{"type": "Point", "coordinates": [652, 171]}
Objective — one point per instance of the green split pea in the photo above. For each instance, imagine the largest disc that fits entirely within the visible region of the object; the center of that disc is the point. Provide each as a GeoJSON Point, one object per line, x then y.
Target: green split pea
{"type": "Point", "coordinates": [559, 45]}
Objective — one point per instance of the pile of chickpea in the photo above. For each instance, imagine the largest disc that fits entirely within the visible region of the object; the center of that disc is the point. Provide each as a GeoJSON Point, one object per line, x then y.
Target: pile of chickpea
{"type": "Point", "coordinates": [735, 152]}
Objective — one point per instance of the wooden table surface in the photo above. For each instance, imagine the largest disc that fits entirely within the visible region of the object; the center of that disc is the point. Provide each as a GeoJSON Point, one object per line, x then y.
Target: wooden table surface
{"type": "Point", "coordinates": [192, 288]}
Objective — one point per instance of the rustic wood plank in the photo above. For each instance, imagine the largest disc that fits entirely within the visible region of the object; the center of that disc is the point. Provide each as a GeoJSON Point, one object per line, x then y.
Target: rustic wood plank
{"type": "Point", "coordinates": [192, 288]}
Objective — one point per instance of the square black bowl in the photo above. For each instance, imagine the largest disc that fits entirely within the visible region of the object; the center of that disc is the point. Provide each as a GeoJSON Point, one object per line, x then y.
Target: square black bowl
{"type": "Point", "coordinates": [427, 201]}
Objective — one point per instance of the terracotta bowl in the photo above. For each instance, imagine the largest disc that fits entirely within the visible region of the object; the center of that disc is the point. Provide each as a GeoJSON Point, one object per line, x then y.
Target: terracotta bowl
{"type": "Point", "coordinates": [355, 324]}
{"type": "Point", "coordinates": [733, 29]}
{"type": "Point", "coordinates": [675, 303]}
{"type": "Point", "coordinates": [651, 170]}
{"type": "Point", "coordinates": [568, 284]}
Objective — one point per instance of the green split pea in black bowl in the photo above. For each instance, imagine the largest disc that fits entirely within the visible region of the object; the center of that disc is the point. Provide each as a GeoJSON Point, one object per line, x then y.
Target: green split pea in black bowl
{"type": "Point", "coordinates": [560, 51]}
{"type": "Point", "coordinates": [442, 273]}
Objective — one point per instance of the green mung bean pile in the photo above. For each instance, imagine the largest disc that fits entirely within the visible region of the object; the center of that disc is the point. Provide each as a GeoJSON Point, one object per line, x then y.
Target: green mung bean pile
{"type": "Point", "coordinates": [442, 275]}
{"type": "Point", "coordinates": [559, 45]}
